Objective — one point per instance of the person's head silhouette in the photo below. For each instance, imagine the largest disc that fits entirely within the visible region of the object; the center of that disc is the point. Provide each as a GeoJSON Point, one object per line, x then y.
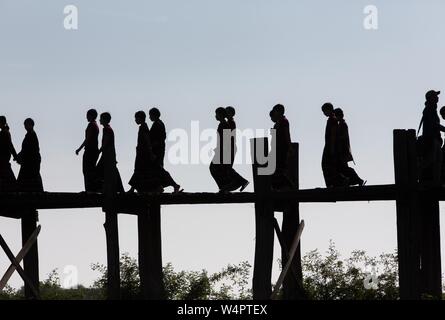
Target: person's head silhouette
{"type": "Point", "coordinates": [3, 123]}
{"type": "Point", "coordinates": [29, 124]}
{"type": "Point", "coordinates": [91, 115]}
{"type": "Point", "coordinates": [139, 117]}
{"type": "Point", "coordinates": [339, 114]}
{"type": "Point", "coordinates": [105, 118]}
{"type": "Point", "coordinates": [279, 110]}
{"type": "Point", "coordinates": [154, 114]}
{"type": "Point", "coordinates": [328, 109]}
{"type": "Point", "coordinates": [230, 112]}
{"type": "Point", "coordinates": [432, 96]}
{"type": "Point", "coordinates": [220, 114]}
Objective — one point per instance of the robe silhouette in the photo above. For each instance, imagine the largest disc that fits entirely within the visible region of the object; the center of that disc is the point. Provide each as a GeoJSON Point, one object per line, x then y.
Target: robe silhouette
{"type": "Point", "coordinates": [107, 166]}
{"type": "Point", "coordinates": [281, 145]}
{"type": "Point", "coordinates": [431, 164]}
{"type": "Point", "coordinates": [236, 180]}
{"type": "Point", "coordinates": [146, 176]}
{"type": "Point", "coordinates": [29, 179]}
{"type": "Point", "coordinates": [218, 169]}
{"type": "Point", "coordinates": [329, 162]}
{"type": "Point", "coordinates": [90, 157]}
{"type": "Point", "coordinates": [158, 136]}
{"type": "Point", "coordinates": [8, 181]}
{"type": "Point", "coordinates": [344, 154]}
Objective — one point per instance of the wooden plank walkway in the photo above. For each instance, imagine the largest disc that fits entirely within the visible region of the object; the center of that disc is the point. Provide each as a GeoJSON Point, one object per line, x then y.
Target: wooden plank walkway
{"type": "Point", "coordinates": [68, 200]}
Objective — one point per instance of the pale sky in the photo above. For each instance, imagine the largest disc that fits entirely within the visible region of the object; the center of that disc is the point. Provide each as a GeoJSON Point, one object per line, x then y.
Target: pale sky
{"type": "Point", "coordinates": [189, 57]}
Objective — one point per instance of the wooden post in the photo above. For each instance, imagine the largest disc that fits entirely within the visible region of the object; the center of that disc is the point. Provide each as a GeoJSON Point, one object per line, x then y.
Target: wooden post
{"type": "Point", "coordinates": [431, 271]}
{"type": "Point", "coordinates": [430, 255]}
{"type": "Point", "coordinates": [113, 267]}
{"type": "Point", "coordinates": [264, 224]}
{"type": "Point", "coordinates": [150, 253]}
{"type": "Point", "coordinates": [111, 231]}
{"type": "Point", "coordinates": [31, 260]}
{"type": "Point", "coordinates": [292, 288]}
{"type": "Point", "coordinates": [408, 213]}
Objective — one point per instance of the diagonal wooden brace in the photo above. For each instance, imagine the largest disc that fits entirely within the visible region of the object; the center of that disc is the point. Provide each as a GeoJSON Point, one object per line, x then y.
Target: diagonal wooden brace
{"type": "Point", "coordinates": [283, 246]}
{"type": "Point", "coordinates": [20, 270]}
{"type": "Point", "coordinates": [288, 265]}
{"type": "Point", "coordinates": [22, 253]}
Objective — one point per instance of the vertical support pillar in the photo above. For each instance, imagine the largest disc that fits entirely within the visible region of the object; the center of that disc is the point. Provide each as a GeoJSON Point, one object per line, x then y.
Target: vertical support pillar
{"type": "Point", "coordinates": [111, 231]}
{"type": "Point", "coordinates": [150, 253]}
{"type": "Point", "coordinates": [31, 260]}
{"type": "Point", "coordinates": [292, 288]}
{"type": "Point", "coordinates": [408, 213]}
{"type": "Point", "coordinates": [113, 266]}
{"type": "Point", "coordinates": [264, 223]}
{"type": "Point", "coordinates": [431, 270]}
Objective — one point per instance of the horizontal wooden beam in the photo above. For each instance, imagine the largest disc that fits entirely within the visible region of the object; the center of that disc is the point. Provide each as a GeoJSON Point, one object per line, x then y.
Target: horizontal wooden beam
{"type": "Point", "coordinates": [14, 203]}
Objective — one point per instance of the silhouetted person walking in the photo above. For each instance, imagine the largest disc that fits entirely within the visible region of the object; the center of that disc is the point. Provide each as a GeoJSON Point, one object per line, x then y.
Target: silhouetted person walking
{"type": "Point", "coordinates": [236, 180]}
{"type": "Point", "coordinates": [29, 178]}
{"type": "Point", "coordinates": [144, 179]}
{"type": "Point", "coordinates": [281, 146]}
{"type": "Point", "coordinates": [158, 136]}
{"type": "Point", "coordinates": [149, 175]}
{"type": "Point", "coordinates": [219, 167]}
{"type": "Point", "coordinates": [91, 153]}
{"type": "Point", "coordinates": [432, 140]}
{"type": "Point", "coordinates": [106, 167]}
{"type": "Point", "coordinates": [7, 178]}
{"type": "Point", "coordinates": [329, 159]}
{"type": "Point", "coordinates": [344, 150]}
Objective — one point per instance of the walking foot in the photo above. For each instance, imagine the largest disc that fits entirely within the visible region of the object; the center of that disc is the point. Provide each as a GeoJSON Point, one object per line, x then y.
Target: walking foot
{"type": "Point", "coordinates": [177, 189]}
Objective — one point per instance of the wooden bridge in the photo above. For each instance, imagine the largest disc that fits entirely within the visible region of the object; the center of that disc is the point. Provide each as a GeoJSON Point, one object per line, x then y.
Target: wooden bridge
{"type": "Point", "coordinates": [417, 210]}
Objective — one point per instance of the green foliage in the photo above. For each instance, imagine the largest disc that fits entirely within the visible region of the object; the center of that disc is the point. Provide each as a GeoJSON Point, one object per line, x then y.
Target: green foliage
{"type": "Point", "coordinates": [326, 277]}
{"type": "Point", "coordinates": [51, 289]}
{"type": "Point", "coordinates": [10, 293]}
{"type": "Point", "coordinates": [330, 278]}
{"type": "Point", "coordinates": [230, 283]}
{"type": "Point", "coordinates": [129, 273]}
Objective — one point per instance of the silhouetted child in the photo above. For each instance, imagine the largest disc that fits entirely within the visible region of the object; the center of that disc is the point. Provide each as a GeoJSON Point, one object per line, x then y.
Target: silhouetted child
{"type": "Point", "coordinates": [219, 166]}
{"type": "Point", "coordinates": [8, 181]}
{"type": "Point", "coordinates": [344, 150]}
{"type": "Point", "coordinates": [91, 153]}
{"type": "Point", "coordinates": [106, 167]}
{"type": "Point", "coordinates": [236, 180]}
{"type": "Point", "coordinates": [281, 146]}
{"type": "Point", "coordinates": [329, 159]}
{"type": "Point", "coordinates": [29, 178]}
